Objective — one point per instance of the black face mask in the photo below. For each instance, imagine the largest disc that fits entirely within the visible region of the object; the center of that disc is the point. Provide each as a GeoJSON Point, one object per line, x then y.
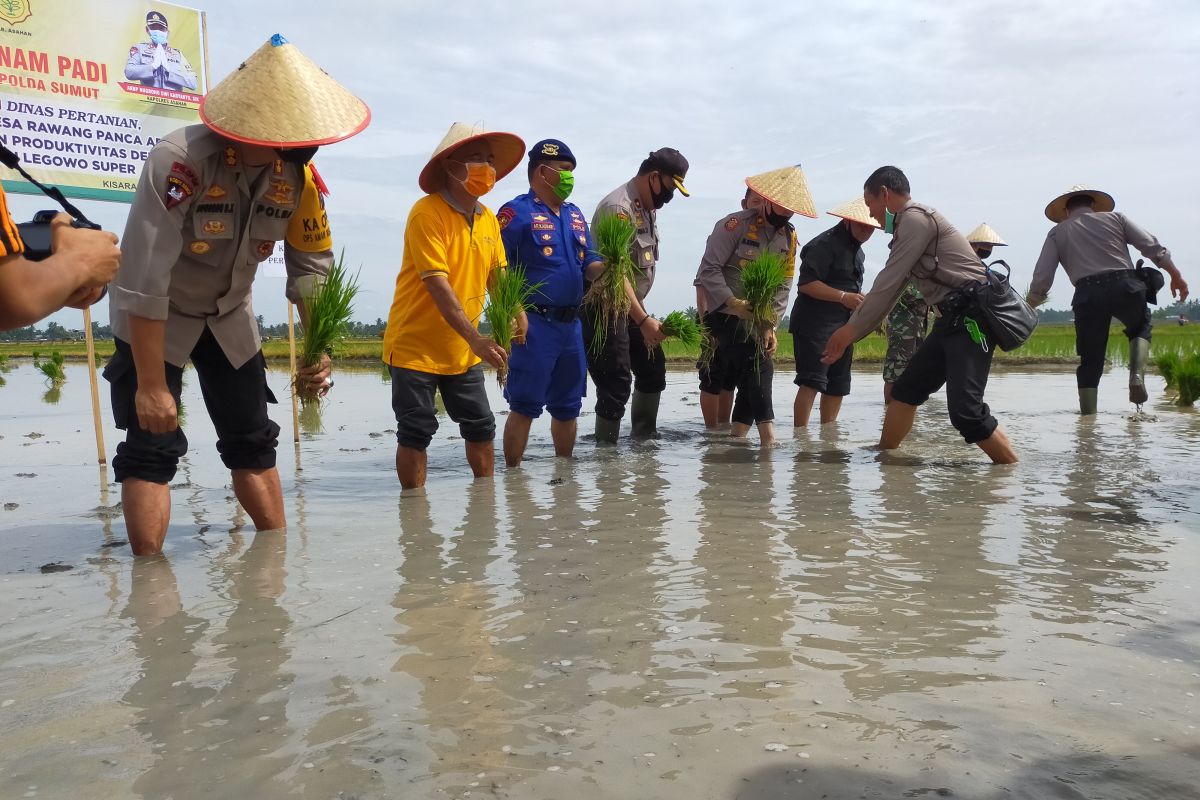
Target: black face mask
{"type": "Point", "coordinates": [296, 155]}
{"type": "Point", "coordinates": [663, 195]}
{"type": "Point", "coordinates": [776, 220]}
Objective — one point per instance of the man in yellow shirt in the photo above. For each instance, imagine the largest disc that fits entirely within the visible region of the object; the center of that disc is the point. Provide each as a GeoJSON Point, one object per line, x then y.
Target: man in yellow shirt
{"type": "Point", "coordinates": [451, 247]}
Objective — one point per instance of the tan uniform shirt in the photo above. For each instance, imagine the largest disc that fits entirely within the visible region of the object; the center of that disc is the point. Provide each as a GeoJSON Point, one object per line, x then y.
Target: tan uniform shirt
{"type": "Point", "coordinates": [927, 250]}
{"type": "Point", "coordinates": [735, 241]}
{"type": "Point", "coordinates": [1091, 243]}
{"type": "Point", "coordinates": [200, 223]}
{"type": "Point", "coordinates": [623, 201]}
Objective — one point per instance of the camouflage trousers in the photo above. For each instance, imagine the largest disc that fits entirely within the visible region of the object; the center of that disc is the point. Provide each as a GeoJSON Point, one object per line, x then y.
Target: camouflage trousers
{"type": "Point", "coordinates": [906, 328]}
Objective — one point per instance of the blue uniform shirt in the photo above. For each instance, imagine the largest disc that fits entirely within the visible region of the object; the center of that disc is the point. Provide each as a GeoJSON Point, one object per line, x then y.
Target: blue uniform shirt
{"type": "Point", "coordinates": [553, 248]}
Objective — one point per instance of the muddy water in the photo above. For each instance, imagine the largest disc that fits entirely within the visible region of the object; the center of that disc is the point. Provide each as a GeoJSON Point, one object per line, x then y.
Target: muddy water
{"type": "Point", "coordinates": [690, 618]}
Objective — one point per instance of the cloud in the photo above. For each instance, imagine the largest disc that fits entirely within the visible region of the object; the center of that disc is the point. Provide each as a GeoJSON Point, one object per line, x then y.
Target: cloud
{"type": "Point", "coordinates": [991, 107]}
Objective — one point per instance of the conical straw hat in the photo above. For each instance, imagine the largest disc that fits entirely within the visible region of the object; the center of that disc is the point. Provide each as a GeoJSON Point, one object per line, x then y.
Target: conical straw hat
{"type": "Point", "coordinates": [986, 234]}
{"type": "Point", "coordinates": [508, 148]}
{"type": "Point", "coordinates": [855, 211]}
{"type": "Point", "coordinates": [278, 97]}
{"type": "Point", "coordinates": [785, 187]}
{"type": "Point", "coordinates": [1057, 210]}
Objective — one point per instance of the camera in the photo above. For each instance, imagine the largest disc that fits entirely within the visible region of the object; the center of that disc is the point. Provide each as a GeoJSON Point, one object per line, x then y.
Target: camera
{"type": "Point", "coordinates": [36, 234]}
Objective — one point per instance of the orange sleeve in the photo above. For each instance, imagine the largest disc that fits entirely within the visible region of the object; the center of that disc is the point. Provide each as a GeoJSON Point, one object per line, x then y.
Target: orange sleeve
{"type": "Point", "coordinates": [425, 244]}
{"type": "Point", "coordinates": [10, 237]}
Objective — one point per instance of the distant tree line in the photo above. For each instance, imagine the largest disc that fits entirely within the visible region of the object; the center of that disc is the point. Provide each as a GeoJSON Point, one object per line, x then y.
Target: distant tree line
{"type": "Point", "coordinates": [54, 332]}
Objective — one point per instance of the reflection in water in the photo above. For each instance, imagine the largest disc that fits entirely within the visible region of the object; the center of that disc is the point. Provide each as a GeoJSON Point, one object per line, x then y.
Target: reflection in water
{"type": "Point", "coordinates": [200, 726]}
{"type": "Point", "coordinates": [654, 620]}
{"type": "Point", "coordinates": [746, 610]}
{"type": "Point", "coordinates": [1093, 546]}
{"type": "Point", "coordinates": [466, 685]}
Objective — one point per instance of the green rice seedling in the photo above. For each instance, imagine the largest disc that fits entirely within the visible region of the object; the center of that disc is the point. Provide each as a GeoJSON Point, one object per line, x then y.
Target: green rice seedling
{"type": "Point", "coordinates": [53, 368]}
{"type": "Point", "coordinates": [614, 237]}
{"type": "Point", "coordinates": [4, 363]}
{"type": "Point", "coordinates": [1168, 366]}
{"type": "Point", "coordinates": [762, 279]}
{"type": "Point", "coordinates": [683, 327]}
{"type": "Point", "coordinates": [507, 297]}
{"type": "Point", "coordinates": [1187, 380]}
{"type": "Point", "coordinates": [329, 310]}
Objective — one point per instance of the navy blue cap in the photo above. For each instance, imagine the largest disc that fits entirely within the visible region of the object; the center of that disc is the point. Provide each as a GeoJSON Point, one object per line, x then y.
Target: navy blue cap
{"type": "Point", "coordinates": [551, 150]}
{"type": "Point", "coordinates": [156, 16]}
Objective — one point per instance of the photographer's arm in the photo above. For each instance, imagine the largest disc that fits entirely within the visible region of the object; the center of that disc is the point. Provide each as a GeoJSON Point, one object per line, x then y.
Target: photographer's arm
{"type": "Point", "coordinates": [82, 259]}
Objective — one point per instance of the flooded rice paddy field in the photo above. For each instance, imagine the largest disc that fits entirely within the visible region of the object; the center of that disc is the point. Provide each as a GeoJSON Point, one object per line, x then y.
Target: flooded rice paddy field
{"type": "Point", "coordinates": [689, 618]}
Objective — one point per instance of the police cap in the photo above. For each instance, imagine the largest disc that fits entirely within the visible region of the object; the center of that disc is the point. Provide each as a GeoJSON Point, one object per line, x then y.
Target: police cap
{"type": "Point", "coordinates": [551, 150]}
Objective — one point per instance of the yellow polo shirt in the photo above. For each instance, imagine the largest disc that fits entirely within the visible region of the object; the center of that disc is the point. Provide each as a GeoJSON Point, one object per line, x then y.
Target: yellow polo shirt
{"type": "Point", "coordinates": [438, 241]}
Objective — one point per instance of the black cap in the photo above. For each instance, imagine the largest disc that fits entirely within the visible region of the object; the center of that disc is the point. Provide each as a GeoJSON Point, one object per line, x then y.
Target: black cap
{"type": "Point", "coordinates": [551, 150]}
{"type": "Point", "coordinates": [671, 162]}
{"type": "Point", "coordinates": [157, 16]}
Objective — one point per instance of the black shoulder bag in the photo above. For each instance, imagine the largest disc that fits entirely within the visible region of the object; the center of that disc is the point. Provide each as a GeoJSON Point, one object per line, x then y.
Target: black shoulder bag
{"type": "Point", "coordinates": [1002, 310]}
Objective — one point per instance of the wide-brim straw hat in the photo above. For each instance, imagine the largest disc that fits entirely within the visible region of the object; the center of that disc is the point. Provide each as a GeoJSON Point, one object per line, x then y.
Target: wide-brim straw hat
{"type": "Point", "coordinates": [279, 98]}
{"type": "Point", "coordinates": [855, 211]}
{"type": "Point", "coordinates": [986, 234]}
{"type": "Point", "coordinates": [508, 148]}
{"type": "Point", "coordinates": [1057, 210]}
{"type": "Point", "coordinates": [785, 187]}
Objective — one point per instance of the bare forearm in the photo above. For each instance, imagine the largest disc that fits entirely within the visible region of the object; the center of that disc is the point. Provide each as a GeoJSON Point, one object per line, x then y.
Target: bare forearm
{"type": "Point", "coordinates": [450, 308]}
{"type": "Point", "coordinates": [32, 290]}
{"type": "Point", "coordinates": [147, 340]}
{"type": "Point", "coordinates": [819, 290]}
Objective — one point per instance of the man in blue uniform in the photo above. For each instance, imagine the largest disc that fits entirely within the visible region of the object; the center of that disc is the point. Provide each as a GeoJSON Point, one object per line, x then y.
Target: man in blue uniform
{"type": "Point", "coordinates": [549, 238]}
{"type": "Point", "coordinates": [155, 63]}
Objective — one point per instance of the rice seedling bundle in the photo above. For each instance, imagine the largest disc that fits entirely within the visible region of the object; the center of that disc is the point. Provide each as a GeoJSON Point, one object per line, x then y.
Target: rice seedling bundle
{"type": "Point", "coordinates": [614, 237]}
{"type": "Point", "coordinates": [53, 369]}
{"type": "Point", "coordinates": [507, 297]}
{"type": "Point", "coordinates": [682, 326]}
{"type": "Point", "coordinates": [329, 310]}
{"type": "Point", "coordinates": [762, 279]}
{"type": "Point", "coordinates": [1183, 375]}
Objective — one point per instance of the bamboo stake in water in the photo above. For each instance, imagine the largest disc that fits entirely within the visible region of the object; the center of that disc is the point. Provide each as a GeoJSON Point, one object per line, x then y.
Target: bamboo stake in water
{"type": "Point", "coordinates": [292, 361]}
{"type": "Point", "coordinates": [91, 360]}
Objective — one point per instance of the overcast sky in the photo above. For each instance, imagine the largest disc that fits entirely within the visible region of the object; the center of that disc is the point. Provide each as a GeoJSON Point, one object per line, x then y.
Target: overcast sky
{"type": "Point", "coordinates": [991, 108]}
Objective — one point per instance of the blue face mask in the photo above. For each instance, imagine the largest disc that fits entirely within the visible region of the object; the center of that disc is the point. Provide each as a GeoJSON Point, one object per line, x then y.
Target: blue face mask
{"type": "Point", "coordinates": [889, 221]}
{"type": "Point", "coordinates": [158, 37]}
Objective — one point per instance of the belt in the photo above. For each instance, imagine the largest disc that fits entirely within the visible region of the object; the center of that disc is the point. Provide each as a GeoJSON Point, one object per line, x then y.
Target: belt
{"type": "Point", "coordinates": [556, 313]}
{"type": "Point", "coordinates": [1105, 277]}
{"type": "Point", "coordinates": [957, 302]}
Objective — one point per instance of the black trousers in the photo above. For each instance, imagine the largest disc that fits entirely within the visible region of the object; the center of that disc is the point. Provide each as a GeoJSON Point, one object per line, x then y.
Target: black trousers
{"type": "Point", "coordinates": [752, 371]}
{"type": "Point", "coordinates": [623, 362]}
{"type": "Point", "coordinates": [949, 357]}
{"type": "Point", "coordinates": [236, 400]}
{"type": "Point", "coordinates": [1097, 301]}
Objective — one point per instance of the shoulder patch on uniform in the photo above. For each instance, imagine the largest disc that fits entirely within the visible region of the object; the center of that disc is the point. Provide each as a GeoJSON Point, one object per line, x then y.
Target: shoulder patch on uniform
{"type": "Point", "coordinates": [732, 223]}
{"type": "Point", "coordinates": [505, 216]}
{"type": "Point", "coordinates": [186, 171]}
{"type": "Point", "coordinates": [621, 215]}
{"type": "Point", "coordinates": [133, 51]}
{"type": "Point", "coordinates": [178, 190]}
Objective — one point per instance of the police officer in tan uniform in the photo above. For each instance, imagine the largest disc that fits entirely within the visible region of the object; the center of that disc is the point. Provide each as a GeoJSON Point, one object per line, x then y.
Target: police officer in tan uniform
{"type": "Point", "coordinates": [155, 63]}
{"type": "Point", "coordinates": [211, 203]}
{"type": "Point", "coordinates": [633, 353]}
{"type": "Point", "coordinates": [735, 241]}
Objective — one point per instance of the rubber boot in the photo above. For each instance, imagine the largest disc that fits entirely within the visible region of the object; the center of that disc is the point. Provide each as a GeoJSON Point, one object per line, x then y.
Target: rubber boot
{"type": "Point", "coordinates": [607, 430]}
{"type": "Point", "coordinates": [643, 415]}
{"type": "Point", "coordinates": [1139, 353]}
{"type": "Point", "coordinates": [1087, 401]}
